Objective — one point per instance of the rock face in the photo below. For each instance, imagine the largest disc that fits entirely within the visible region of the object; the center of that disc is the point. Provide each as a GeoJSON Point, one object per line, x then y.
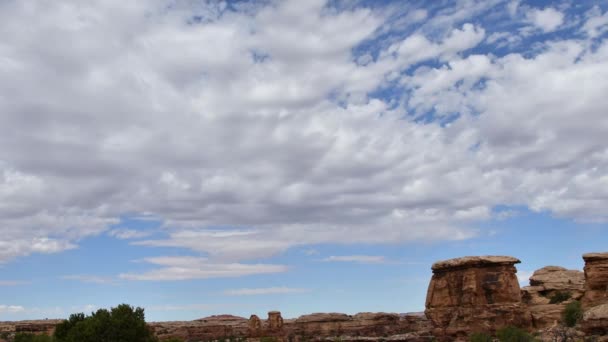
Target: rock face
{"type": "Point", "coordinates": [368, 326]}
{"type": "Point", "coordinates": [275, 321]}
{"type": "Point", "coordinates": [213, 327]}
{"type": "Point", "coordinates": [549, 284]}
{"type": "Point", "coordinates": [596, 279]}
{"type": "Point", "coordinates": [46, 326]}
{"type": "Point", "coordinates": [474, 294]}
{"type": "Point", "coordinates": [595, 320]}
{"type": "Point", "coordinates": [255, 326]}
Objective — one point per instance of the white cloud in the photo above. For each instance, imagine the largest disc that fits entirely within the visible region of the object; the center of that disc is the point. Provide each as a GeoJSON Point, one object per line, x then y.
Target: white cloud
{"type": "Point", "coordinates": [362, 259]}
{"type": "Point", "coordinates": [264, 291]}
{"type": "Point", "coordinates": [13, 282]}
{"type": "Point", "coordinates": [524, 277]}
{"type": "Point", "coordinates": [86, 278]}
{"type": "Point", "coordinates": [181, 307]}
{"type": "Point", "coordinates": [260, 125]}
{"type": "Point", "coordinates": [127, 234]}
{"type": "Point", "coordinates": [547, 19]}
{"type": "Point", "coordinates": [185, 268]}
{"type": "Point", "coordinates": [11, 309]}
{"type": "Point", "coordinates": [596, 24]}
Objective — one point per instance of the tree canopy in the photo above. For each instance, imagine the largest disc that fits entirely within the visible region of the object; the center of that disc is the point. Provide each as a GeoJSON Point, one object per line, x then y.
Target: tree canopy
{"type": "Point", "coordinates": [120, 324]}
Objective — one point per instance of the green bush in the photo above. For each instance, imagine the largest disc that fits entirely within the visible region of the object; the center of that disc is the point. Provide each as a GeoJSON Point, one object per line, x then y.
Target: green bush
{"type": "Point", "coordinates": [513, 334]}
{"type": "Point", "coordinates": [26, 337]}
{"type": "Point", "coordinates": [268, 339]}
{"type": "Point", "coordinates": [572, 313]}
{"type": "Point", "coordinates": [480, 337]}
{"type": "Point", "coordinates": [560, 297]}
{"type": "Point", "coordinates": [121, 324]}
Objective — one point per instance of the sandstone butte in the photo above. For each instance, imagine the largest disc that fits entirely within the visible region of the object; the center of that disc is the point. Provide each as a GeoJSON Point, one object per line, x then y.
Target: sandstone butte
{"type": "Point", "coordinates": [465, 295]}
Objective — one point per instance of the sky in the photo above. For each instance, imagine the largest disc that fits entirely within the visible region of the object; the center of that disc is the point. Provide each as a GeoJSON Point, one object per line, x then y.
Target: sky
{"type": "Point", "coordinates": [203, 157]}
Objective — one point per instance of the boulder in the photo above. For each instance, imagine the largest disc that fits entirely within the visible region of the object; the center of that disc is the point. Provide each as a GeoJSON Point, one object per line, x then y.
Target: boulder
{"type": "Point", "coordinates": [474, 294]}
{"type": "Point", "coordinates": [552, 279]}
{"type": "Point", "coordinates": [595, 320]}
{"type": "Point", "coordinates": [596, 279]}
{"type": "Point", "coordinates": [548, 283]}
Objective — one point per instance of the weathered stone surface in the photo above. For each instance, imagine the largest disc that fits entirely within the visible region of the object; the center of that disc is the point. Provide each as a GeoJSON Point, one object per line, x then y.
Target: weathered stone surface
{"type": "Point", "coordinates": [595, 320]}
{"type": "Point", "coordinates": [546, 315]}
{"type": "Point", "coordinates": [546, 283]}
{"type": "Point", "coordinates": [596, 279]}
{"type": "Point", "coordinates": [553, 279]}
{"type": "Point", "coordinates": [275, 321]}
{"type": "Point", "coordinates": [255, 326]}
{"type": "Point", "coordinates": [474, 294]}
{"type": "Point", "coordinates": [474, 261]}
{"type": "Point", "coordinates": [213, 327]}
{"type": "Point", "coordinates": [46, 326]}
{"type": "Point", "coordinates": [362, 326]}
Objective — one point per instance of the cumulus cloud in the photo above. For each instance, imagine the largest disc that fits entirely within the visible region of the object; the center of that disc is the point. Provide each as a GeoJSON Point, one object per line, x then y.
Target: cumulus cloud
{"type": "Point", "coordinates": [264, 291]}
{"type": "Point", "coordinates": [597, 23]}
{"type": "Point", "coordinates": [547, 19]}
{"type": "Point", "coordinates": [249, 131]}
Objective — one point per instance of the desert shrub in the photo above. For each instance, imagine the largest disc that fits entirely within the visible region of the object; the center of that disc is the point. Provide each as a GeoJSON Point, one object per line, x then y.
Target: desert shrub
{"type": "Point", "coordinates": [120, 324]}
{"type": "Point", "coordinates": [480, 337]}
{"type": "Point", "coordinates": [572, 313]}
{"type": "Point", "coordinates": [26, 337]}
{"type": "Point", "coordinates": [513, 334]}
{"type": "Point", "coordinates": [560, 297]}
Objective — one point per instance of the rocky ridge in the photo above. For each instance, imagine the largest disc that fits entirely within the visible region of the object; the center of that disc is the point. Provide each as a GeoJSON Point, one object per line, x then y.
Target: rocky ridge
{"type": "Point", "coordinates": [474, 294]}
{"type": "Point", "coordinates": [551, 289]}
{"type": "Point", "coordinates": [465, 295]}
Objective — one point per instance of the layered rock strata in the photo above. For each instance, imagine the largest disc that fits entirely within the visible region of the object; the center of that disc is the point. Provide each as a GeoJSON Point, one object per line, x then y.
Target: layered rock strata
{"type": "Point", "coordinates": [275, 321]}
{"type": "Point", "coordinates": [551, 288]}
{"type": "Point", "coordinates": [596, 279]}
{"type": "Point", "coordinates": [595, 320]}
{"type": "Point", "coordinates": [319, 326]}
{"type": "Point", "coordinates": [474, 294]}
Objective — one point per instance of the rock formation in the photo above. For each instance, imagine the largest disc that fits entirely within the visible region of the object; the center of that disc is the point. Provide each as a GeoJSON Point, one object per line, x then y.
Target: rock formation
{"type": "Point", "coordinates": [465, 295]}
{"type": "Point", "coordinates": [209, 328]}
{"type": "Point", "coordinates": [596, 279]}
{"type": "Point", "coordinates": [275, 321]}
{"type": "Point", "coordinates": [595, 320]}
{"type": "Point", "coordinates": [474, 294]}
{"type": "Point", "coordinates": [368, 326]}
{"type": "Point", "coordinates": [255, 326]}
{"type": "Point", "coordinates": [551, 288]}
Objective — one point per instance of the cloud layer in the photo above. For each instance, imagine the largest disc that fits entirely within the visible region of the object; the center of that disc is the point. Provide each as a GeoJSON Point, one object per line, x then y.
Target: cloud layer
{"type": "Point", "coordinates": [249, 130]}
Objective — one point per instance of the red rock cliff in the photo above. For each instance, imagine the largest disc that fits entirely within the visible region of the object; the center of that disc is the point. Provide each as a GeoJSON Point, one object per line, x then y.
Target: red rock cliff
{"type": "Point", "coordinates": [474, 294]}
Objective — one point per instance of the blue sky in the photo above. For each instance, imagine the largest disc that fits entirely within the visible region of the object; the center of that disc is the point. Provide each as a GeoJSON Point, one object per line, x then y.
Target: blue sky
{"type": "Point", "coordinates": [200, 158]}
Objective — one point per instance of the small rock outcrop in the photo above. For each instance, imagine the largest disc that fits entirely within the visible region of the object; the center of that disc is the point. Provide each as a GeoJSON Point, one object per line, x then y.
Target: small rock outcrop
{"type": "Point", "coordinates": [474, 294]}
{"type": "Point", "coordinates": [595, 320]}
{"type": "Point", "coordinates": [551, 288]}
{"type": "Point", "coordinates": [596, 279]}
{"type": "Point", "coordinates": [255, 326]}
{"type": "Point", "coordinates": [275, 321]}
